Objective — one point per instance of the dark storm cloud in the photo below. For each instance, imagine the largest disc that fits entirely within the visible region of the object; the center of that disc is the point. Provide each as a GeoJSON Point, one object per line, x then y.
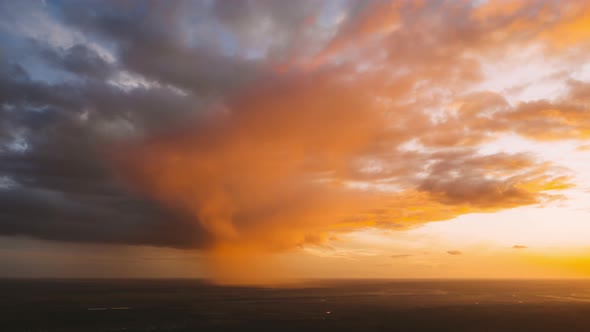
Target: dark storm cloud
{"type": "Point", "coordinates": [64, 188]}
{"type": "Point", "coordinates": [53, 135]}
{"type": "Point", "coordinates": [153, 40]}
{"type": "Point", "coordinates": [54, 132]}
{"type": "Point", "coordinates": [103, 218]}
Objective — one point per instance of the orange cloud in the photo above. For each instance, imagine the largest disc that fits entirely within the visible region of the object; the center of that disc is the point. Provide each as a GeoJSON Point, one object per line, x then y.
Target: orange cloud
{"type": "Point", "coordinates": [300, 155]}
{"type": "Point", "coordinates": [401, 256]}
{"type": "Point", "coordinates": [287, 163]}
{"type": "Point", "coordinates": [572, 27]}
{"type": "Point", "coordinates": [373, 23]}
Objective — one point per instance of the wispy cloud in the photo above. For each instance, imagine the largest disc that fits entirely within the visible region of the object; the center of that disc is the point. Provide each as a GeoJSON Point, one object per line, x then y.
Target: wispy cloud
{"type": "Point", "coordinates": [401, 256]}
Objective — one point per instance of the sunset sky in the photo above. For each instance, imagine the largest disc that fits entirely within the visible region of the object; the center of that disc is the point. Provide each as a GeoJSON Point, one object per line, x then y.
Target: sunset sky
{"type": "Point", "coordinates": [263, 140]}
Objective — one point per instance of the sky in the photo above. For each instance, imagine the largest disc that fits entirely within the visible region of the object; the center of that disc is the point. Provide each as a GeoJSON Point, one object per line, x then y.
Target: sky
{"type": "Point", "coordinates": [256, 141]}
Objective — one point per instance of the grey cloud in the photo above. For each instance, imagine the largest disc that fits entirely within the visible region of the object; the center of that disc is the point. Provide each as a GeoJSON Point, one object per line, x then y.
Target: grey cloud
{"type": "Point", "coordinates": [114, 218]}
{"type": "Point", "coordinates": [63, 187]}
{"type": "Point", "coordinates": [150, 41]}
{"type": "Point", "coordinates": [78, 59]}
{"type": "Point", "coordinates": [464, 178]}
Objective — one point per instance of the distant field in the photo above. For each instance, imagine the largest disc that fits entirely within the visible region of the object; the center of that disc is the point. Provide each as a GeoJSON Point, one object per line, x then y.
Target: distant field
{"type": "Point", "coordinates": [353, 305]}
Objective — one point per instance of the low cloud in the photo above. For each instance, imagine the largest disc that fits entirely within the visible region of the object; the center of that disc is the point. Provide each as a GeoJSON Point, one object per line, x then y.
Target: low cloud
{"type": "Point", "coordinates": [454, 252]}
{"type": "Point", "coordinates": [401, 256]}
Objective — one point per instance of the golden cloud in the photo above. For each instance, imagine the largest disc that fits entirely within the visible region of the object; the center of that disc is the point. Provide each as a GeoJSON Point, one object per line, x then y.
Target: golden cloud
{"type": "Point", "coordinates": [365, 141]}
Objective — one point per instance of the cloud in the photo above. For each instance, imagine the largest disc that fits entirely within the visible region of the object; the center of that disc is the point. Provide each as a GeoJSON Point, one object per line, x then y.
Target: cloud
{"type": "Point", "coordinates": [79, 60]}
{"type": "Point", "coordinates": [401, 256]}
{"type": "Point", "coordinates": [270, 127]}
{"type": "Point", "coordinates": [454, 252]}
{"type": "Point", "coordinates": [517, 246]}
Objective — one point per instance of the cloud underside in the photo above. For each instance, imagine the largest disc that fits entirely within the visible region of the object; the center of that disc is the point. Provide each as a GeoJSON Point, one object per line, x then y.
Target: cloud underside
{"type": "Point", "coordinates": [272, 125]}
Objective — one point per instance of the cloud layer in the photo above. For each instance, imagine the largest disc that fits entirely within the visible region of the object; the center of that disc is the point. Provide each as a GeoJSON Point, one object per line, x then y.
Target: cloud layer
{"type": "Point", "coordinates": [268, 126]}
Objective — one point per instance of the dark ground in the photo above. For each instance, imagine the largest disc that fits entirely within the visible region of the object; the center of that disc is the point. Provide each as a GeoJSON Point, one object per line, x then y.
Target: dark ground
{"type": "Point", "coordinates": [353, 305]}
